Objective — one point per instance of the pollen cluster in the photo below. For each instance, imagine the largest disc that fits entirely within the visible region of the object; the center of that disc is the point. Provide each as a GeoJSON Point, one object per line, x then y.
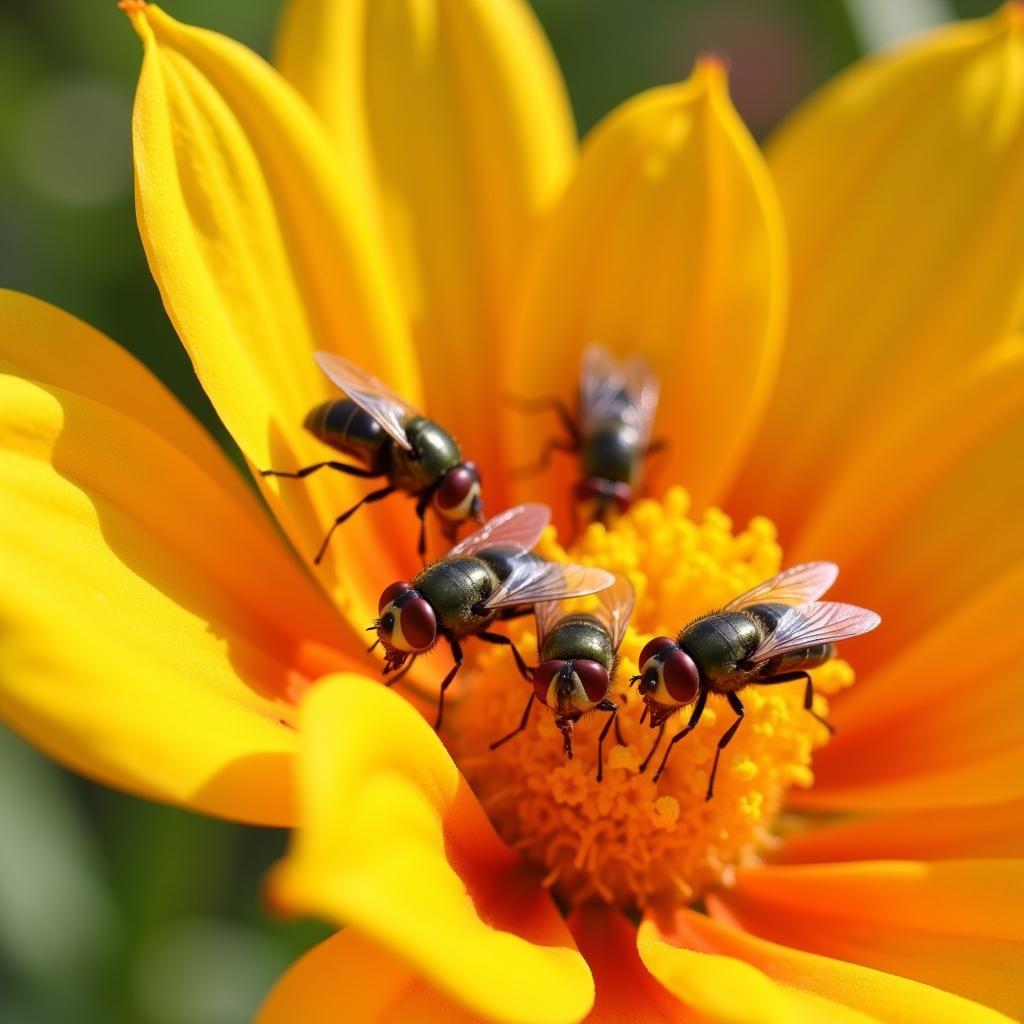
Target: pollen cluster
{"type": "Point", "coordinates": [628, 840]}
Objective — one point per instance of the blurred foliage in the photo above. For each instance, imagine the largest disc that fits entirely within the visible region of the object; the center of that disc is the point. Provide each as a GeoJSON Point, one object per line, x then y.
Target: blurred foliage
{"type": "Point", "coordinates": [112, 909]}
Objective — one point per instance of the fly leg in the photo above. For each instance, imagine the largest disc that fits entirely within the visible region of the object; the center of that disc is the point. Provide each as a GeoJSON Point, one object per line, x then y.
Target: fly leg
{"type": "Point", "coordinates": [520, 727]}
{"type": "Point", "coordinates": [610, 706]}
{"type": "Point", "coordinates": [498, 638]}
{"type": "Point", "coordinates": [373, 496]}
{"type": "Point", "coordinates": [657, 741]}
{"type": "Point", "coordinates": [552, 402]}
{"type": "Point", "coordinates": [734, 703]}
{"type": "Point", "coordinates": [400, 674]}
{"type": "Point", "coordinates": [553, 444]}
{"type": "Point", "coordinates": [698, 710]}
{"type": "Point", "coordinates": [792, 677]}
{"type": "Point", "coordinates": [422, 504]}
{"type": "Point", "coordinates": [341, 467]}
{"type": "Point", "coordinates": [447, 681]}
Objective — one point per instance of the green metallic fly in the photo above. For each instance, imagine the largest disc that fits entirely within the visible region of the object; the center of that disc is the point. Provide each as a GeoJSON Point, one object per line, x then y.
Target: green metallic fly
{"type": "Point", "coordinates": [390, 439]}
{"type": "Point", "coordinates": [772, 634]}
{"type": "Point", "coordinates": [490, 575]}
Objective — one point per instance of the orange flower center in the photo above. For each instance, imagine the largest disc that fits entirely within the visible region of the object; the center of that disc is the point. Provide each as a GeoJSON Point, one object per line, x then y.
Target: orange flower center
{"type": "Point", "coordinates": [628, 840]}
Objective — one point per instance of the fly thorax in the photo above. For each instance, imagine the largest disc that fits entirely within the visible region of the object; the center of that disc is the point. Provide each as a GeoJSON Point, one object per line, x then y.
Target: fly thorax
{"type": "Point", "coordinates": [457, 589]}
{"type": "Point", "coordinates": [433, 454]}
{"type": "Point", "coordinates": [612, 452]}
{"type": "Point", "coordinates": [718, 643]}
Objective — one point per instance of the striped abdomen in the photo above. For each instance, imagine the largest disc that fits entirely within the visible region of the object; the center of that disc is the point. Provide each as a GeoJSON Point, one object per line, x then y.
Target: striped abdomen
{"type": "Point", "coordinates": [345, 426]}
{"type": "Point", "coordinates": [768, 615]}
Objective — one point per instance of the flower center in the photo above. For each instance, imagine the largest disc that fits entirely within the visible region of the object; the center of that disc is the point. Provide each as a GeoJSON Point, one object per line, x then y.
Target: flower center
{"type": "Point", "coordinates": [629, 840]}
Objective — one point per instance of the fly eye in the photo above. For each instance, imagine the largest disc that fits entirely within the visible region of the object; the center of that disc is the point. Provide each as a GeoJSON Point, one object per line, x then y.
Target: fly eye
{"type": "Point", "coordinates": [418, 624]}
{"type": "Point", "coordinates": [682, 681]}
{"type": "Point", "coordinates": [390, 594]}
{"type": "Point", "coordinates": [454, 498]}
{"type": "Point", "coordinates": [594, 678]}
{"type": "Point", "coordinates": [652, 647]}
{"type": "Point", "coordinates": [622, 495]}
{"type": "Point", "coordinates": [542, 676]}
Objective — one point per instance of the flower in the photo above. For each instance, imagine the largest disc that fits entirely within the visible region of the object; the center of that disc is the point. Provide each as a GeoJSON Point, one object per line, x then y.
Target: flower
{"type": "Point", "coordinates": [414, 199]}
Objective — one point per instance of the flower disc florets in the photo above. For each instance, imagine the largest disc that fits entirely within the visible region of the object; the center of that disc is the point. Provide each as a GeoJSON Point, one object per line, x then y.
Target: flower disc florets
{"type": "Point", "coordinates": [628, 840]}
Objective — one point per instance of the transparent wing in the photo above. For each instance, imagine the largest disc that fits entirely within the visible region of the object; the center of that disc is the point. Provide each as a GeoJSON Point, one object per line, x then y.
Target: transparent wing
{"type": "Point", "coordinates": [820, 622]}
{"type": "Point", "coordinates": [533, 582]}
{"type": "Point", "coordinates": [519, 527]}
{"type": "Point", "coordinates": [613, 609]}
{"type": "Point", "coordinates": [390, 411]}
{"type": "Point", "coordinates": [643, 388]}
{"type": "Point", "coordinates": [615, 606]}
{"type": "Point", "coordinates": [609, 389]}
{"type": "Point", "coordinates": [601, 387]}
{"type": "Point", "coordinates": [546, 615]}
{"type": "Point", "coordinates": [795, 586]}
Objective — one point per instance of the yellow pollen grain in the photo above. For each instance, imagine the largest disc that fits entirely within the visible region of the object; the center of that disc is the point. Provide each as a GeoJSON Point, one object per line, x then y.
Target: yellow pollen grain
{"type": "Point", "coordinates": [627, 840]}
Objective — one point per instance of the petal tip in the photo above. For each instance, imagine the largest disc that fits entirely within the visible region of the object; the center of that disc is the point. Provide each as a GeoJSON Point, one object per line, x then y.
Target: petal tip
{"type": "Point", "coordinates": [1012, 15]}
{"type": "Point", "coordinates": [711, 70]}
{"type": "Point", "coordinates": [136, 11]}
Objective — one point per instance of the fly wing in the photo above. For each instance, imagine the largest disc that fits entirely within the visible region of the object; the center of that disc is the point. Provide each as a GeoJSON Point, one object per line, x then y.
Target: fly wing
{"type": "Point", "coordinates": [799, 585]}
{"type": "Point", "coordinates": [820, 622]}
{"type": "Point", "coordinates": [390, 411]}
{"type": "Point", "coordinates": [519, 527]}
{"type": "Point", "coordinates": [601, 386]}
{"type": "Point", "coordinates": [615, 608]}
{"type": "Point", "coordinates": [642, 388]}
{"type": "Point", "coordinates": [533, 582]}
{"type": "Point", "coordinates": [546, 615]}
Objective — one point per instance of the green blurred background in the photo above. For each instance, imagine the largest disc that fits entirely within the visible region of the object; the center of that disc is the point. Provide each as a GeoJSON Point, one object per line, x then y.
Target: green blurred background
{"type": "Point", "coordinates": [111, 909]}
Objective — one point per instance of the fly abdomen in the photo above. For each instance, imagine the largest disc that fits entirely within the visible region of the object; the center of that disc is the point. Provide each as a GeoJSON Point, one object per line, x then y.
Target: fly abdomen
{"type": "Point", "coordinates": [794, 661]}
{"type": "Point", "coordinates": [612, 452]}
{"type": "Point", "coordinates": [345, 426]}
{"type": "Point", "coordinates": [504, 560]}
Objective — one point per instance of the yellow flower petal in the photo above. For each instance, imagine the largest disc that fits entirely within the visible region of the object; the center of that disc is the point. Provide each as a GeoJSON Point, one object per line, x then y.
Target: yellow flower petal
{"type": "Point", "coordinates": [153, 628]}
{"type": "Point", "coordinates": [348, 978]}
{"type": "Point", "coordinates": [455, 118]}
{"type": "Point", "coordinates": [701, 954]}
{"type": "Point", "coordinates": [900, 187]}
{"type": "Point", "coordinates": [262, 256]}
{"type": "Point", "coordinates": [395, 844]}
{"type": "Point", "coordinates": [667, 243]}
{"type": "Point", "coordinates": [957, 925]}
{"type": "Point", "coordinates": [944, 833]}
{"type": "Point", "coordinates": [939, 724]}
{"type": "Point", "coordinates": [626, 991]}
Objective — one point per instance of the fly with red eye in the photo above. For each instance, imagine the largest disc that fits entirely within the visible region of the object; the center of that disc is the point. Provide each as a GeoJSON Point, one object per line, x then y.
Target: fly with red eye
{"type": "Point", "coordinates": [491, 575]}
{"type": "Point", "coordinates": [391, 440]}
{"type": "Point", "coordinates": [578, 656]}
{"type": "Point", "coordinates": [611, 432]}
{"type": "Point", "coordinates": [772, 634]}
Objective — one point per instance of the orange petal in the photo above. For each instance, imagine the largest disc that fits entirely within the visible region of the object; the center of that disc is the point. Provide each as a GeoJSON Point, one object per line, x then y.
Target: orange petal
{"type": "Point", "coordinates": [262, 255]}
{"type": "Point", "coordinates": [899, 186]}
{"type": "Point", "coordinates": [349, 978]}
{"type": "Point", "coordinates": [668, 243]}
{"type": "Point", "coordinates": [939, 724]}
{"type": "Point", "coordinates": [456, 118]}
{"type": "Point", "coordinates": [957, 925]}
{"type": "Point", "coordinates": [736, 977]}
{"type": "Point", "coordinates": [154, 628]}
{"type": "Point", "coordinates": [395, 844]}
{"type": "Point", "coordinates": [626, 991]}
{"type": "Point", "coordinates": [944, 833]}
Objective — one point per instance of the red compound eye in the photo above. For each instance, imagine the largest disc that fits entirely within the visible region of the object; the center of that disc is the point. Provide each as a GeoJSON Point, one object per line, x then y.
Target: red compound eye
{"type": "Point", "coordinates": [594, 678]}
{"type": "Point", "coordinates": [390, 594]}
{"type": "Point", "coordinates": [681, 677]}
{"type": "Point", "coordinates": [455, 488]}
{"type": "Point", "coordinates": [418, 623]}
{"type": "Point", "coordinates": [651, 648]}
{"type": "Point", "coordinates": [542, 676]}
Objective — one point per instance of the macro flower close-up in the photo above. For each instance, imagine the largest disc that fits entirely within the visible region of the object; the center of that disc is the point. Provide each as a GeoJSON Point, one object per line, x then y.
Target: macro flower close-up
{"type": "Point", "coordinates": [820, 339]}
